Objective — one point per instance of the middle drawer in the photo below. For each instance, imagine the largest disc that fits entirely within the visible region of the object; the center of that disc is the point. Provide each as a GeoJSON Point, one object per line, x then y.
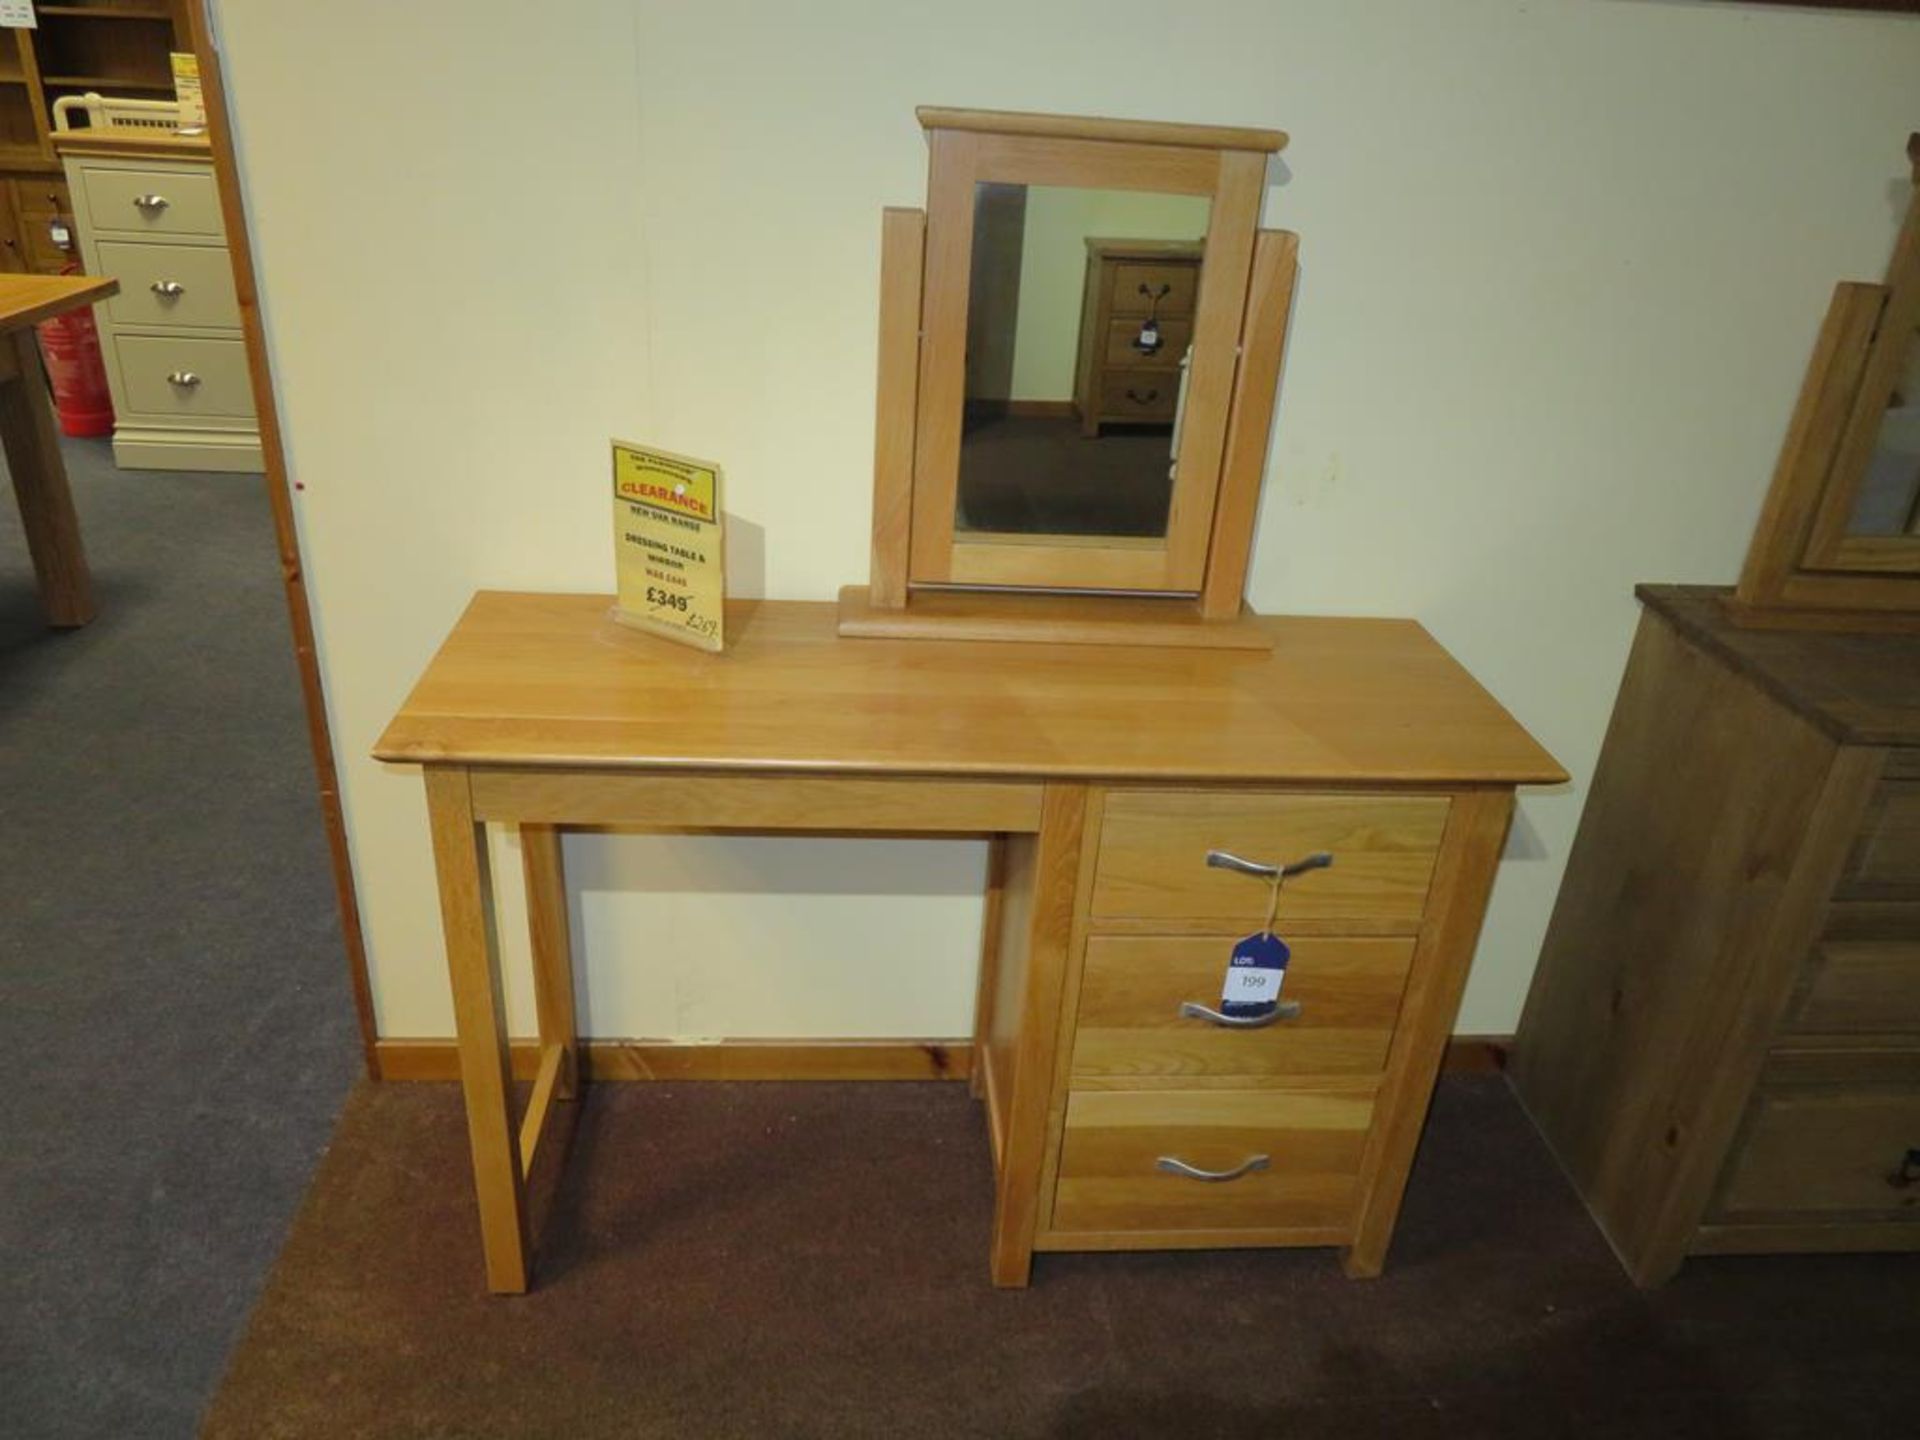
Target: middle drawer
{"type": "Point", "coordinates": [185, 285]}
{"type": "Point", "coordinates": [1133, 989]}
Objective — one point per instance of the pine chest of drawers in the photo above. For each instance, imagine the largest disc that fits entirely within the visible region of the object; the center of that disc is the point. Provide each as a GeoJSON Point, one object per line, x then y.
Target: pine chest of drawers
{"type": "Point", "coordinates": [147, 212]}
{"type": "Point", "coordinates": [1119, 377]}
{"type": "Point", "coordinates": [1722, 1043]}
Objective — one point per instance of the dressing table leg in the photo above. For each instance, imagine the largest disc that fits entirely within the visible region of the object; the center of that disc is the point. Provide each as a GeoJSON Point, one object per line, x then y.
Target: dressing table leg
{"type": "Point", "coordinates": [1055, 880]}
{"type": "Point", "coordinates": [989, 963]}
{"type": "Point", "coordinates": [1462, 880]}
{"type": "Point", "coordinates": [479, 1016]}
{"type": "Point", "coordinates": [547, 927]}
{"type": "Point", "coordinates": [47, 515]}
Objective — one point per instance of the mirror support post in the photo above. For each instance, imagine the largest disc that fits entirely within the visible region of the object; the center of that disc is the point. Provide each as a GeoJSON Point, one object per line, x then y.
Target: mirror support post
{"type": "Point", "coordinates": [903, 236]}
{"type": "Point", "coordinates": [1263, 336]}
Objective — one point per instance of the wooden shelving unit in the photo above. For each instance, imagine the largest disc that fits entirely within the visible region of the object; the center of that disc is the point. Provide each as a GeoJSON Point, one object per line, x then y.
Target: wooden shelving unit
{"type": "Point", "coordinates": [115, 47]}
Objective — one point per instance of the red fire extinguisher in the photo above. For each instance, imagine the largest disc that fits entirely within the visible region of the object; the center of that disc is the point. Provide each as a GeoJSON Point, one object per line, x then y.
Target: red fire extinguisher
{"type": "Point", "coordinates": [70, 344]}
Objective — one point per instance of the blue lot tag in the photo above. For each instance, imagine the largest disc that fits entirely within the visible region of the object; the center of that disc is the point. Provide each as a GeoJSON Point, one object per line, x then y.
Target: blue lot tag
{"type": "Point", "coordinates": [1254, 975]}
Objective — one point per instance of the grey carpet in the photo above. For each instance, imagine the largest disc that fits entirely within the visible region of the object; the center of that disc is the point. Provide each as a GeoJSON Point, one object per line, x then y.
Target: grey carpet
{"type": "Point", "coordinates": [173, 999]}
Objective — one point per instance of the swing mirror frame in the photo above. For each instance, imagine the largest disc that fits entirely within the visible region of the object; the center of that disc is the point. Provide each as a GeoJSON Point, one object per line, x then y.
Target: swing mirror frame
{"type": "Point", "coordinates": [929, 578]}
{"type": "Point", "coordinates": [1805, 568]}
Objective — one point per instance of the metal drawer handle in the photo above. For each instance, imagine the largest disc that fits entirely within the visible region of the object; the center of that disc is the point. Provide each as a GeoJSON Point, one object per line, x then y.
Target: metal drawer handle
{"type": "Point", "coordinates": [152, 203]}
{"type": "Point", "coordinates": [1223, 860]}
{"type": "Point", "coordinates": [1139, 399]}
{"type": "Point", "coordinates": [168, 288]}
{"type": "Point", "coordinates": [1909, 1172]}
{"type": "Point", "coordinates": [1181, 1168]}
{"type": "Point", "coordinates": [1282, 1010]}
{"type": "Point", "coordinates": [185, 379]}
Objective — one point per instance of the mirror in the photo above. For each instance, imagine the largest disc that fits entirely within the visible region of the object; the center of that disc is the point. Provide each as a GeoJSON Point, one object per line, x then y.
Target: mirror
{"type": "Point", "coordinates": [1080, 315]}
{"type": "Point", "coordinates": [1888, 500]}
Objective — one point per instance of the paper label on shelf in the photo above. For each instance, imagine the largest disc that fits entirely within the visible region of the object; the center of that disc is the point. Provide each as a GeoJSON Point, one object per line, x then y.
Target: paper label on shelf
{"type": "Point", "coordinates": [18, 15]}
{"type": "Point", "coordinates": [1256, 972]}
{"type": "Point", "coordinates": [669, 545]}
{"type": "Point", "coordinates": [186, 90]}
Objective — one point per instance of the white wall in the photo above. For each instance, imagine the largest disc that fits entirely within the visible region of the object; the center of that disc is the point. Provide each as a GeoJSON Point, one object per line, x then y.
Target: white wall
{"type": "Point", "coordinates": [1562, 263]}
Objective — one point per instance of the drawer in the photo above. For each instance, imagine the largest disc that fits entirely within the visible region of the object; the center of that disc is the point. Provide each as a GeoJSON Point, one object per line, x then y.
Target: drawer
{"type": "Point", "coordinates": [1829, 1136]}
{"type": "Point", "coordinates": [202, 274]}
{"type": "Point", "coordinates": [1311, 1139]}
{"type": "Point", "coordinates": [1175, 336]}
{"type": "Point", "coordinates": [1886, 858]}
{"type": "Point", "coordinates": [42, 195]}
{"type": "Point", "coordinates": [1132, 987]}
{"type": "Point", "coordinates": [37, 245]}
{"type": "Point", "coordinates": [188, 201]}
{"type": "Point", "coordinates": [1142, 395]}
{"type": "Point", "coordinates": [1154, 844]}
{"type": "Point", "coordinates": [1138, 286]}
{"type": "Point", "coordinates": [219, 367]}
{"type": "Point", "coordinates": [1863, 976]}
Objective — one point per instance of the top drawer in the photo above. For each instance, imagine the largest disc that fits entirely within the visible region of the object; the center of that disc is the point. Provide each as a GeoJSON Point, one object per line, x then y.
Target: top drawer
{"type": "Point", "coordinates": [139, 201]}
{"type": "Point", "coordinates": [1154, 844]}
{"type": "Point", "coordinates": [1164, 288]}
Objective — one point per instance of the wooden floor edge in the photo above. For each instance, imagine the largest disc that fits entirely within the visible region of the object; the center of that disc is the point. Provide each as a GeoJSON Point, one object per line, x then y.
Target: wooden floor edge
{"type": "Point", "coordinates": [439, 1059]}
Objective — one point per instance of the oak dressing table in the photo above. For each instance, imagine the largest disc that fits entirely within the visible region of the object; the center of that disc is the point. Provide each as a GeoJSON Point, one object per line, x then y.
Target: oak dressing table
{"type": "Point", "coordinates": [1102, 777]}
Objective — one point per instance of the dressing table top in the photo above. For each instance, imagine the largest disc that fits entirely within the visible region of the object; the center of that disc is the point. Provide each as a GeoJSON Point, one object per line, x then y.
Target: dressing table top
{"type": "Point", "coordinates": [539, 679]}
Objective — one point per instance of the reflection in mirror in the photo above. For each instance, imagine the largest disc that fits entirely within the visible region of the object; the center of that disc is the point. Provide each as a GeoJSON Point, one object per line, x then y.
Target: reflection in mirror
{"type": "Point", "coordinates": [1079, 318]}
{"type": "Point", "coordinates": [1889, 497]}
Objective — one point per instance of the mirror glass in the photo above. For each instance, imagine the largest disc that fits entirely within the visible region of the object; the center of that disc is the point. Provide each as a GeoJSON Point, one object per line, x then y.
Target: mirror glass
{"type": "Point", "coordinates": [1079, 317]}
{"type": "Point", "coordinates": [1889, 496]}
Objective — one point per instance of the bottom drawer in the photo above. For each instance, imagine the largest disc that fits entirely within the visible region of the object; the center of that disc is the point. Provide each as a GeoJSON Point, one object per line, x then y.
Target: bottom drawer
{"type": "Point", "coordinates": [185, 378]}
{"type": "Point", "coordinates": [1294, 1156]}
{"type": "Point", "coordinates": [1830, 1136]}
{"type": "Point", "coordinates": [1139, 395]}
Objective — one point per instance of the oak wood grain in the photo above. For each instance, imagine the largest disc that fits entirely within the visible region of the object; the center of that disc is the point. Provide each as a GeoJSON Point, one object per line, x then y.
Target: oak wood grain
{"type": "Point", "coordinates": [1312, 1137]}
{"type": "Point", "coordinates": [550, 680]}
{"type": "Point", "coordinates": [1089, 127]}
{"type": "Point", "coordinates": [1132, 987]}
{"type": "Point", "coordinates": [1154, 845]}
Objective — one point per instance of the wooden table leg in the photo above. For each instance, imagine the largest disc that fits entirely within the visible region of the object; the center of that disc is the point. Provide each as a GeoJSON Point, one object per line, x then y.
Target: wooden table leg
{"type": "Point", "coordinates": [1463, 878]}
{"type": "Point", "coordinates": [1056, 877]}
{"type": "Point", "coordinates": [479, 1015]}
{"type": "Point", "coordinates": [40, 483]}
{"type": "Point", "coordinates": [540, 857]}
{"type": "Point", "coordinates": [989, 964]}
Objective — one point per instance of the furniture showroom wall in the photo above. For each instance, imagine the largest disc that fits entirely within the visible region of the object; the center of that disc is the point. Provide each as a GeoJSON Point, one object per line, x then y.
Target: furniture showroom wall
{"type": "Point", "coordinates": [1562, 262]}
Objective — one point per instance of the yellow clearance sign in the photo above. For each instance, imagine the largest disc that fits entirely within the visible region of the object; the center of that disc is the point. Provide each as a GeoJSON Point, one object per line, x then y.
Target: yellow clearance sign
{"type": "Point", "coordinates": [668, 547]}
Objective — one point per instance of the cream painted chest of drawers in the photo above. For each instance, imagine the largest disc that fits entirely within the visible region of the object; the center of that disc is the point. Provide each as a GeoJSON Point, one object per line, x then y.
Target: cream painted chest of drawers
{"type": "Point", "coordinates": [147, 212]}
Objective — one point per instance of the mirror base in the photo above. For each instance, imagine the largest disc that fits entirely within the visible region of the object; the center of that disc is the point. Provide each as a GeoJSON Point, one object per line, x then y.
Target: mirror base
{"type": "Point", "coordinates": [1064, 619]}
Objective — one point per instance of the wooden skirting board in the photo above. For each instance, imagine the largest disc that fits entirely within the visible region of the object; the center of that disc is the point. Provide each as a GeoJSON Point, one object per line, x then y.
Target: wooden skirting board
{"type": "Point", "coordinates": [786, 1059]}
{"type": "Point", "coordinates": [720, 1060]}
